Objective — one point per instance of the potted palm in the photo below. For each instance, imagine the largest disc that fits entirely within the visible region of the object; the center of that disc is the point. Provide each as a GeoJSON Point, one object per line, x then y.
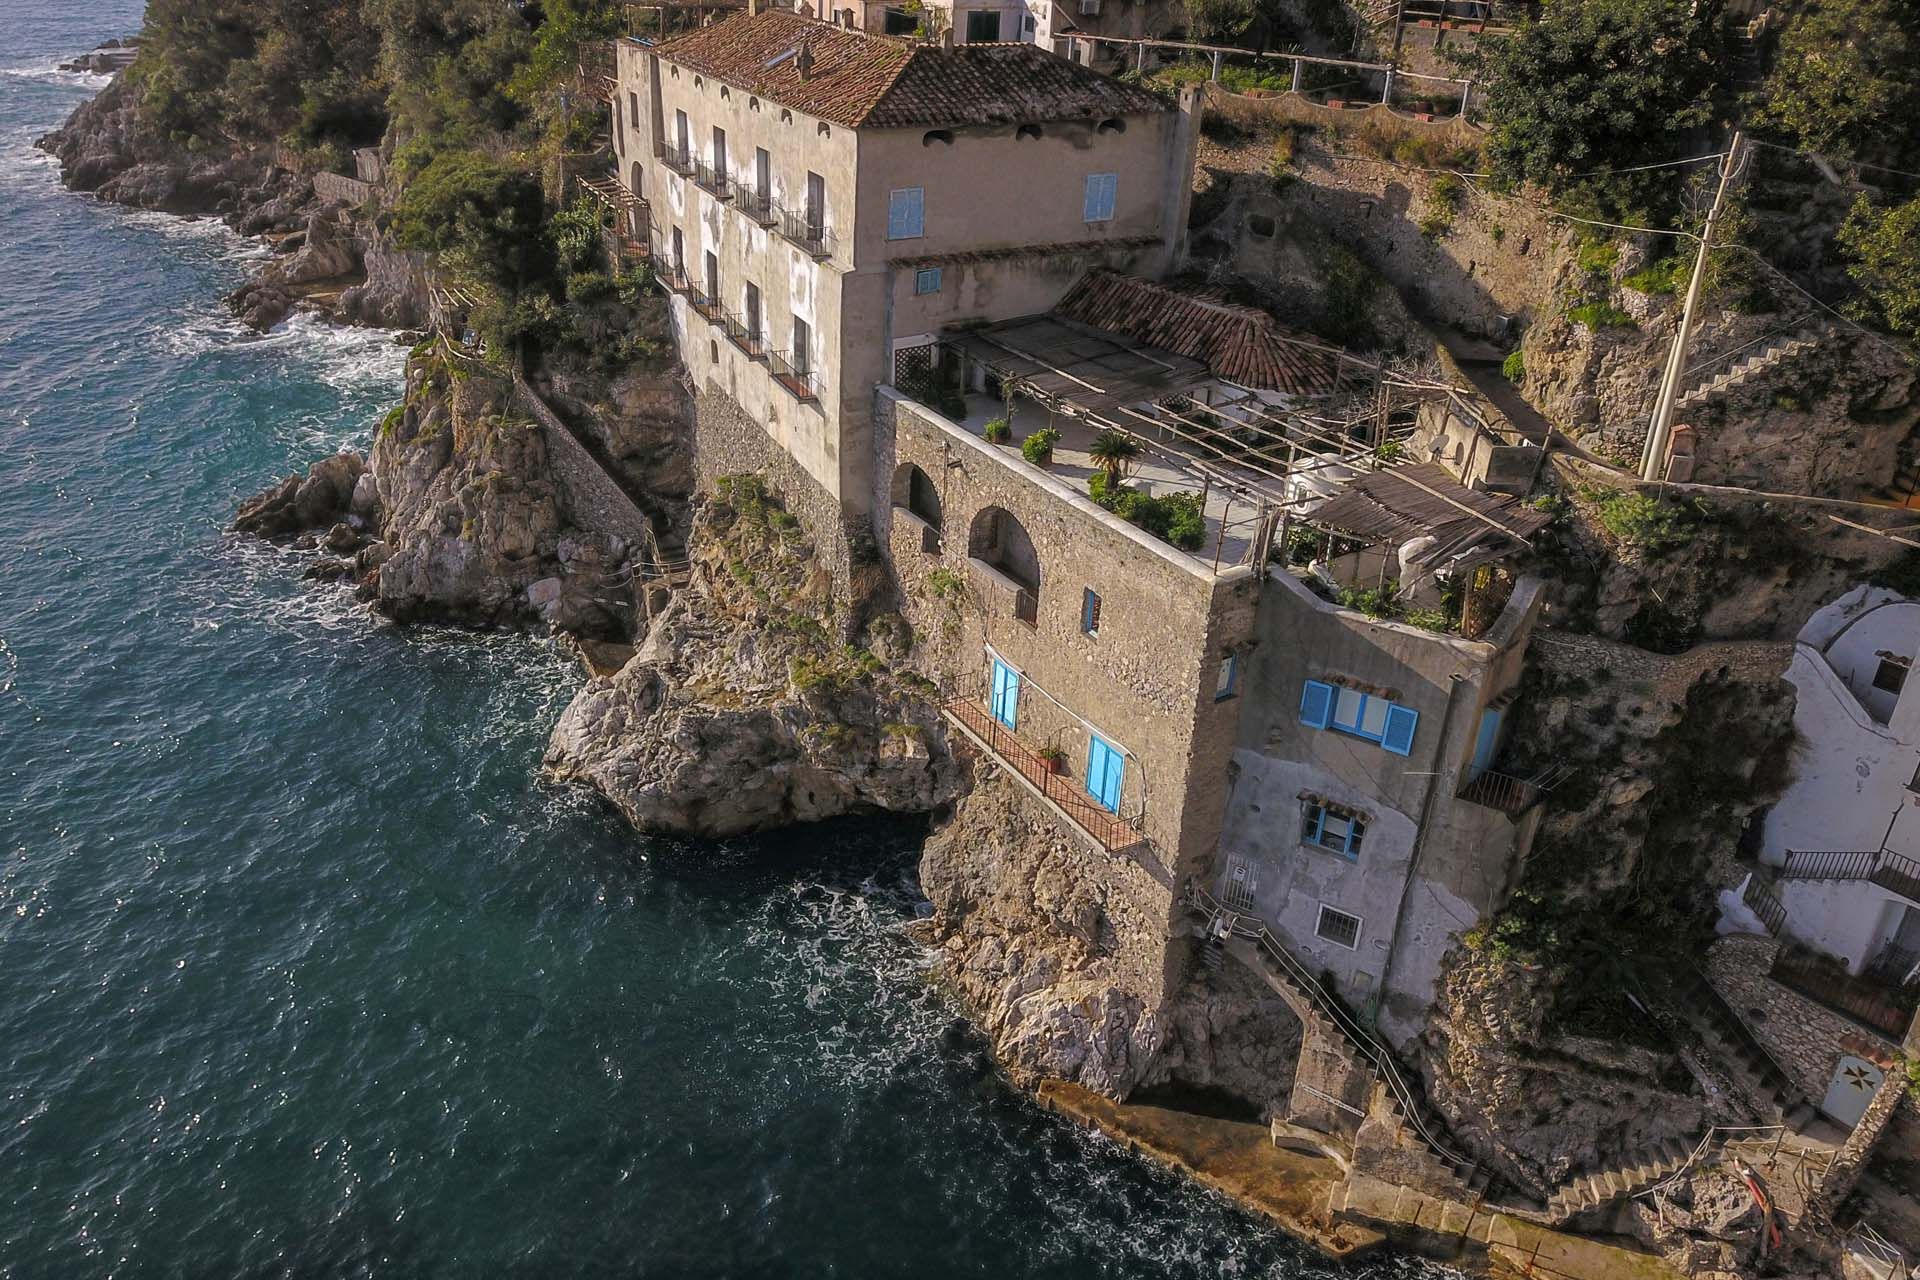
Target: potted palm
{"type": "Point", "coordinates": [1113, 451]}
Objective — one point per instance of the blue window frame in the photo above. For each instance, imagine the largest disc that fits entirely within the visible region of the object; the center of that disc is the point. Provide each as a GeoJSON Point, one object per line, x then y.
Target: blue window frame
{"type": "Point", "coordinates": [927, 280]}
{"type": "Point", "coordinates": [1090, 612]}
{"type": "Point", "coordinates": [906, 213]}
{"type": "Point", "coordinates": [1363, 715]}
{"type": "Point", "coordinates": [1101, 190]}
{"type": "Point", "coordinates": [1006, 694]}
{"type": "Point", "coordinates": [1332, 829]}
{"type": "Point", "coordinates": [1487, 745]}
{"type": "Point", "coordinates": [1227, 682]}
{"type": "Point", "coordinates": [1105, 769]}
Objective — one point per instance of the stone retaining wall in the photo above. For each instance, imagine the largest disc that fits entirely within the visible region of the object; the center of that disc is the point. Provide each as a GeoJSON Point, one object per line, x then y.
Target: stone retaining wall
{"type": "Point", "coordinates": [593, 499]}
{"type": "Point", "coordinates": [337, 188]}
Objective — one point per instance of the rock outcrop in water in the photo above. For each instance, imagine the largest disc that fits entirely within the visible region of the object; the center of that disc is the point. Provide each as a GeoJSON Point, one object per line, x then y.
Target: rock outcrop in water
{"type": "Point", "coordinates": [741, 711]}
{"type": "Point", "coordinates": [454, 518]}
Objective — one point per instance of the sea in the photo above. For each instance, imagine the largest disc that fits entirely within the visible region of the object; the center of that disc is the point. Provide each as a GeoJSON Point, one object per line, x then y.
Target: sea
{"type": "Point", "coordinates": [303, 970]}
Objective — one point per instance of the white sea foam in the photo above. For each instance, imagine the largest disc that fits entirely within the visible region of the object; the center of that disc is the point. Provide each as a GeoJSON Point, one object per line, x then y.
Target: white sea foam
{"type": "Point", "coordinates": [50, 73]}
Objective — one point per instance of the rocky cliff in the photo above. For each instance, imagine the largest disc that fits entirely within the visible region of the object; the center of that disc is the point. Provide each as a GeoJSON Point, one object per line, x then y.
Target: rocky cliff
{"type": "Point", "coordinates": [455, 517]}
{"type": "Point", "coordinates": [741, 710]}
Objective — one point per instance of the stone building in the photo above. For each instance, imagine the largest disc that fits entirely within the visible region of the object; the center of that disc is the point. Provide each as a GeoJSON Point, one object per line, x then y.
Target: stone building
{"type": "Point", "coordinates": [821, 197]}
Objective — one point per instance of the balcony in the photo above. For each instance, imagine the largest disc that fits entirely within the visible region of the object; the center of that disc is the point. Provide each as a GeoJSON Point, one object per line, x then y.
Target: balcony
{"type": "Point", "coordinates": [713, 181]}
{"type": "Point", "coordinates": [1114, 834]}
{"type": "Point", "coordinates": [807, 230]}
{"type": "Point", "coordinates": [705, 303]}
{"type": "Point", "coordinates": [673, 277]}
{"type": "Point", "coordinates": [1891, 871]}
{"type": "Point", "coordinates": [747, 337]}
{"type": "Point", "coordinates": [802, 384]}
{"type": "Point", "coordinates": [757, 205]}
{"type": "Point", "coordinates": [1882, 1006]}
{"type": "Point", "coordinates": [677, 159]}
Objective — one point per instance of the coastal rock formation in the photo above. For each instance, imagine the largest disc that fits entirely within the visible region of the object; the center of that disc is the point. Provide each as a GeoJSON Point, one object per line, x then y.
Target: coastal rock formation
{"type": "Point", "coordinates": [740, 711]}
{"type": "Point", "coordinates": [105, 148]}
{"type": "Point", "coordinates": [455, 518]}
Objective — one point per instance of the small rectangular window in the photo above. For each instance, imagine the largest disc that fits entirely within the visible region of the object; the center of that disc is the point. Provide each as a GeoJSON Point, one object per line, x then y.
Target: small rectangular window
{"type": "Point", "coordinates": [983, 26]}
{"type": "Point", "coordinates": [633, 109]}
{"type": "Point", "coordinates": [927, 281]}
{"type": "Point", "coordinates": [1891, 676]}
{"type": "Point", "coordinates": [1227, 682]}
{"type": "Point", "coordinates": [906, 213]}
{"type": "Point", "coordinates": [1334, 830]}
{"type": "Point", "coordinates": [1338, 927]}
{"type": "Point", "coordinates": [1101, 189]}
{"type": "Point", "coordinates": [1090, 612]}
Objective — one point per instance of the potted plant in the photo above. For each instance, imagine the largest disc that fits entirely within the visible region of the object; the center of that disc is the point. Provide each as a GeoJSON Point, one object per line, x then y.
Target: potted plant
{"type": "Point", "coordinates": [1055, 758]}
{"type": "Point", "coordinates": [1037, 448]}
{"type": "Point", "coordinates": [998, 431]}
{"type": "Point", "coordinates": [1113, 451]}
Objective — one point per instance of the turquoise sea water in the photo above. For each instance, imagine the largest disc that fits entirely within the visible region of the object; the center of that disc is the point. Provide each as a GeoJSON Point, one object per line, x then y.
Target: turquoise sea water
{"type": "Point", "coordinates": [303, 974]}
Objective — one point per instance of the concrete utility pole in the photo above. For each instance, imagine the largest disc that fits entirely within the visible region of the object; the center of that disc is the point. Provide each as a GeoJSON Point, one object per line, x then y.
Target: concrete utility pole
{"type": "Point", "coordinates": [1653, 461]}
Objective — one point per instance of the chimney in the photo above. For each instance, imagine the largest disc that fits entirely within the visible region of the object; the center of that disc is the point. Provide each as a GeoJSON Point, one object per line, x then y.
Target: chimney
{"type": "Point", "coordinates": [946, 37]}
{"type": "Point", "coordinates": [803, 61]}
{"type": "Point", "coordinates": [753, 8]}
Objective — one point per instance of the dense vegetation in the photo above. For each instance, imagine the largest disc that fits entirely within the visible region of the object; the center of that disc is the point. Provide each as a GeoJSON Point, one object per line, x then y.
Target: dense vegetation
{"type": "Point", "coordinates": [1583, 97]}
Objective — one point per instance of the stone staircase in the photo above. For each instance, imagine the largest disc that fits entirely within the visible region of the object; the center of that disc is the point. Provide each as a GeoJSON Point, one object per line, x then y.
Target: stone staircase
{"type": "Point", "coordinates": [1605, 1186]}
{"type": "Point", "coordinates": [1755, 1072]}
{"type": "Point", "coordinates": [1747, 368]}
{"type": "Point", "coordinates": [1249, 941]}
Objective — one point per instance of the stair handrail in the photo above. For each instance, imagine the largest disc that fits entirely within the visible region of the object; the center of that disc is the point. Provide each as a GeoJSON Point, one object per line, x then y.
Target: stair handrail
{"type": "Point", "coordinates": [1721, 1132]}
{"type": "Point", "coordinates": [1371, 1049]}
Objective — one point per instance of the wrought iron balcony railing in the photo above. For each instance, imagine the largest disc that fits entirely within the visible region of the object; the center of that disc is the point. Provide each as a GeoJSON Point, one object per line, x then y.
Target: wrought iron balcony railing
{"type": "Point", "coordinates": [747, 337]}
{"type": "Point", "coordinates": [1883, 1006]}
{"type": "Point", "coordinates": [1114, 833]}
{"type": "Point", "coordinates": [756, 204]}
{"type": "Point", "coordinates": [677, 159]}
{"type": "Point", "coordinates": [703, 302]}
{"type": "Point", "coordinates": [808, 230]}
{"type": "Point", "coordinates": [672, 275]}
{"type": "Point", "coordinates": [712, 180]}
{"type": "Point", "coordinates": [801, 384]}
{"type": "Point", "coordinates": [1882, 867]}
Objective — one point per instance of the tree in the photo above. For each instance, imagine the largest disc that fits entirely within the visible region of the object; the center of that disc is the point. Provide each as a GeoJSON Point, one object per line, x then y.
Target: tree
{"type": "Point", "coordinates": [484, 219]}
{"type": "Point", "coordinates": [1844, 82]}
{"type": "Point", "coordinates": [1594, 87]}
{"type": "Point", "coordinates": [1113, 451]}
{"type": "Point", "coordinates": [1883, 246]}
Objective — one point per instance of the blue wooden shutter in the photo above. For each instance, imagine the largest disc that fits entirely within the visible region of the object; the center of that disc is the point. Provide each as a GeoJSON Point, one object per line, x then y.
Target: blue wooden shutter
{"type": "Point", "coordinates": [905, 213]}
{"type": "Point", "coordinates": [1316, 704]}
{"type": "Point", "coordinates": [1006, 694]}
{"type": "Point", "coordinates": [1398, 737]}
{"type": "Point", "coordinates": [1104, 771]}
{"type": "Point", "coordinates": [1101, 188]}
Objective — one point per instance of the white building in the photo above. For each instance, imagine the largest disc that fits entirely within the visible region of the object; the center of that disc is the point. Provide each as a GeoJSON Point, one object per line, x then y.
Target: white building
{"type": "Point", "coordinates": [1845, 838]}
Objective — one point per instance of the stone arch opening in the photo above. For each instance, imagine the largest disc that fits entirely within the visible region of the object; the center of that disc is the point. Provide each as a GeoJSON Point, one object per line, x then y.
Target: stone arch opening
{"type": "Point", "coordinates": [1001, 541]}
{"type": "Point", "coordinates": [913, 490]}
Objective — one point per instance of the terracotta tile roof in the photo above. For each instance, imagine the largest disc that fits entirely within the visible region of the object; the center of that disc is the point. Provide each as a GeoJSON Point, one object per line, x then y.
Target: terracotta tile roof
{"type": "Point", "coordinates": [1063, 249]}
{"type": "Point", "coordinates": [1239, 344]}
{"type": "Point", "coordinates": [868, 81]}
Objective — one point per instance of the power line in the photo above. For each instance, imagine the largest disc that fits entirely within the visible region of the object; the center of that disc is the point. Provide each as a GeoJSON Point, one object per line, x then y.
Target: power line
{"type": "Point", "coordinates": [1856, 164]}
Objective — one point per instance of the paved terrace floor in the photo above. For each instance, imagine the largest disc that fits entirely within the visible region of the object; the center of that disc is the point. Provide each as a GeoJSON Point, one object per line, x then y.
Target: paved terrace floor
{"type": "Point", "coordinates": [1159, 475]}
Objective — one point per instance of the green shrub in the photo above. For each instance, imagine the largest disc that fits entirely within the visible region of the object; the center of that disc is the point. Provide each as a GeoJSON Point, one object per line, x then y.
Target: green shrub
{"type": "Point", "coordinates": [1600, 315]}
{"type": "Point", "coordinates": [1658, 277]}
{"type": "Point", "coordinates": [945, 584]}
{"type": "Point", "coordinates": [998, 431]}
{"type": "Point", "coordinates": [1448, 189]}
{"type": "Point", "coordinates": [1641, 520]}
{"type": "Point", "coordinates": [1597, 257]}
{"type": "Point", "coordinates": [1038, 447]}
{"type": "Point", "coordinates": [1177, 518]}
{"type": "Point", "coordinates": [1514, 366]}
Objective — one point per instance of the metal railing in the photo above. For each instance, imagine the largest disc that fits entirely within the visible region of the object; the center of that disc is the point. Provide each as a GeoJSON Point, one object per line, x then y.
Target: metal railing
{"type": "Point", "coordinates": [672, 275]}
{"type": "Point", "coordinates": [1879, 1006]}
{"type": "Point", "coordinates": [1887, 869]}
{"type": "Point", "coordinates": [802, 384]}
{"type": "Point", "coordinates": [1376, 1054]}
{"type": "Point", "coordinates": [1765, 903]}
{"type": "Point", "coordinates": [1114, 833]}
{"type": "Point", "coordinates": [1759, 1139]}
{"type": "Point", "coordinates": [1868, 1243]}
{"type": "Point", "coordinates": [756, 204]}
{"type": "Point", "coordinates": [747, 337]}
{"type": "Point", "coordinates": [677, 159]}
{"type": "Point", "coordinates": [1895, 965]}
{"type": "Point", "coordinates": [712, 180]}
{"type": "Point", "coordinates": [807, 230]}
{"type": "Point", "coordinates": [703, 302]}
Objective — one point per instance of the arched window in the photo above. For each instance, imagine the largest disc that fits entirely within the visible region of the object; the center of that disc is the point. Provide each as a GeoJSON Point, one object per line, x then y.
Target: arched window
{"type": "Point", "coordinates": [1113, 124]}
{"type": "Point", "coordinates": [1027, 132]}
{"type": "Point", "coordinates": [999, 540]}
{"type": "Point", "coordinates": [931, 136]}
{"type": "Point", "coordinates": [913, 489]}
